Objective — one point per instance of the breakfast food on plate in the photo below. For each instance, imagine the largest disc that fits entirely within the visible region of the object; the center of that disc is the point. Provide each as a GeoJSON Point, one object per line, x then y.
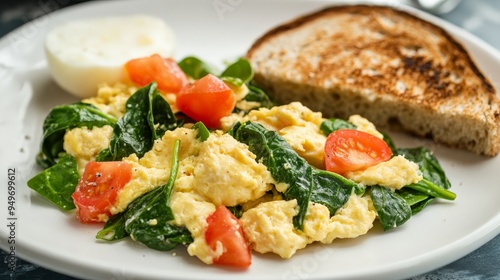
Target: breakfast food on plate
{"type": "Point", "coordinates": [82, 54]}
{"type": "Point", "coordinates": [395, 69]}
{"type": "Point", "coordinates": [184, 155]}
{"type": "Point", "coordinates": [174, 153]}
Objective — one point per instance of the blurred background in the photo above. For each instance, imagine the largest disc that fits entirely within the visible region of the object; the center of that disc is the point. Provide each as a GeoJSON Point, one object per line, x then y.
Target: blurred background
{"type": "Point", "coordinates": [481, 17]}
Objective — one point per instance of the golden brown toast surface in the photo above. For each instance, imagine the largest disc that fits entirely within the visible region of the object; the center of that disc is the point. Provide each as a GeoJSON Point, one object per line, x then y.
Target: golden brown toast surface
{"type": "Point", "coordinates": [385, 64]}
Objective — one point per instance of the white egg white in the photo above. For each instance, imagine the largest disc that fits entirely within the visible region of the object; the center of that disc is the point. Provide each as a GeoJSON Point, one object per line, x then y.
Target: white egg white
{"type": "Point", "coordinates": [83, 54]}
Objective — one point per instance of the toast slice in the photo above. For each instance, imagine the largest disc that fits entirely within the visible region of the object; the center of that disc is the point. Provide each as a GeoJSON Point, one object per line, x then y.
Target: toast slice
{"type": "Point", "coordinates": [395, 69]}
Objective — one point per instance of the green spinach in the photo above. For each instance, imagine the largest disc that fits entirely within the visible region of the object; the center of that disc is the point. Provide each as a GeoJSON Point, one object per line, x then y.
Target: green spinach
{"type": "Point", "coordinates": [114, 229]}
{"type": "Point", "coordinates": [412, 197]}
{"type": "Point", "coordinates": [390, 143]}
{"type": "Point", "coordinates": [392, 209]}
{"type": "Point", "coordinates": [305, 183]}
{"type": "Point", "coordinates": [236, 210]}
{"type": "Point", "coordinates": [202, 131]}
{"type": "Point", "coordinates": [428, 164]}
{"type": "Point", "coordinates": [435, 184]}
{"type": "Point", "coordinates": [65, 117]}
{"type": "Point", "coordinates": [282, 162]}
{"type": "Point", "coordinates": [395, 208]}
{"type": "Point", "coordinates": [331, 190]}
{"type": "Point", "coordinates": [330, 125]}
{"type": "Point", "coordinates": [415, 199]}
{"type": "Point", "coordinates": [147, 218]}
{"type": "Point", "coordinates": [257, 95]}
{"type": "Point", "coordinates": [417, 207]}
{"type": "Point", "coordinates": [238, 73]}
{"type": "Point", "coordinates": [195, 67]}
{"type": "Point", "coordinates": [147, 117]}
{"type": "Point", "coordinates": [427, 187]}
{"type": "Point", "coordinates": [58, 182]}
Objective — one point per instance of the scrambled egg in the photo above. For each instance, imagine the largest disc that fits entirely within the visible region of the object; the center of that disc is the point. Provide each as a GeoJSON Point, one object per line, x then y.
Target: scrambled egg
{"type": "Point", "coordinates": [191, 211]}
{"type": "Point", "coordinates": [217, 171]}
{"type": "Point", "coordinates": [84, 144]}
{"type": "Point", "coordinates": [300, 127]}
{"type": "Point", "coordinates": [112, 99]}
{"type": "Point", "coordinates": [394, 173]}
{"type": "Point", "coordinates": [352, 220]}
{"type": "Point", "coordinates": [226, 172]}
{"type": "Point", "coordinates": [297, 124]}
{"type": "Point", "coordinates": [223, 171]}
{"type": "Point", "coordinates": [365, 125]}
{"type": "Point", "coordinates": [269, 226]}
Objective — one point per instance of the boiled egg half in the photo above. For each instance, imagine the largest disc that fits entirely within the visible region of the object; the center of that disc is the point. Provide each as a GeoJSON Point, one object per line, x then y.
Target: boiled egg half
{"type": "Point", "coordinates": [83, 54]}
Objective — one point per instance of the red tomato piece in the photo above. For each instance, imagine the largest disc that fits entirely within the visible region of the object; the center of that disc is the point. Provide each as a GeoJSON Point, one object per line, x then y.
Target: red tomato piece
{"type": "Point", "coordinates": [207, 100]}
{"type": "Point", "coordinates": [226, 230]}
{"type": "Point", "coordinates": [351, 150]}
{"type": "Point", "coordinates": [97, 189]}
{"type": "Point", "coordinates": [164, 71]}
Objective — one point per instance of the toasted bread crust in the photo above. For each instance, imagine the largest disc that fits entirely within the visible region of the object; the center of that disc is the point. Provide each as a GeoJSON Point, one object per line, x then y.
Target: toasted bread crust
{"type": "Point", "coordinates": [392, 67]}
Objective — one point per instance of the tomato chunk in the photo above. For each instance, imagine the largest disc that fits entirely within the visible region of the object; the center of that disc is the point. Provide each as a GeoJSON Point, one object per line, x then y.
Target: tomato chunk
{"type": "Point", "coordinates": [351, 150]}
{"type": "Point", "coordinates": [97, 189]}
{"type": "Point", "coordinates": [207, 100]}
{"type": "Point", "coordinates": [226, 230]}
{"type": "Point", "coordinates": [164, 71]}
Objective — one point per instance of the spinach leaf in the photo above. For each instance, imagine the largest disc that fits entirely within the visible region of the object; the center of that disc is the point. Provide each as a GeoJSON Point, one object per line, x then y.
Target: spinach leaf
{"type": "Point", "coordinates": [160, 115]}
{"type": "Point", "coordinates": [58, 182]}
{"type": "Point", "coordinates": [104, 155]}
{"type": "Point", "coordinates": [360, 189]}
{"type": "Point", "coordinates": [255, 94]}
{"type": "Point", "coordinates": [236, 210]}
{"type": "Point", "coordinates": [114, 228]}
{"type": "Point", "coordinates": [390, 143]}
{"type": "Point", "coordinates": [330, 125]}
{"type": "Point", "coordinates": [203, 132]}
{"type": "Point", "coordinates": [305, 183]}
{"type": "Point", "coordinates": [417, 200]}
{"type": "Point", "coordinates": [392, 209]}
{"type": "Point", "coordinates": [148, 115]}
{"type": "Point", "coordinates": [417, 207]}
{"type": "Point", "coordinates": [412, 197]}
{"type": "Point", "coordinates": [194, 67]}
{"type": "Point", "coordinates": [65, 117]}
{"type": "Point", "coordinates": [282, 162]}
{"type": "Point", "coordinates": [428, 164]}
{"type": "Point", "coordinates": [427, 187]}
{"type": "Point", "coordinates": [238, 73]}
{"type": "Point", "coordinates": [435, 183]}
{"type": "Point", "coordinates": [331, 190]}
{"type": "Point", "coordinates": [147, 219]}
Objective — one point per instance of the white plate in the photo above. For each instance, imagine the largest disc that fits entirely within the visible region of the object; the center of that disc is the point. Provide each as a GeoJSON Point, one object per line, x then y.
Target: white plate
{"type": "Point", "coordinates": [218, 30]}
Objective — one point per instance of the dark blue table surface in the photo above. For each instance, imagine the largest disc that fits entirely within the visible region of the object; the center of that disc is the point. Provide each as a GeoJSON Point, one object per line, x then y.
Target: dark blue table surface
{"type": "Point", "coordinates": [481, 18]}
